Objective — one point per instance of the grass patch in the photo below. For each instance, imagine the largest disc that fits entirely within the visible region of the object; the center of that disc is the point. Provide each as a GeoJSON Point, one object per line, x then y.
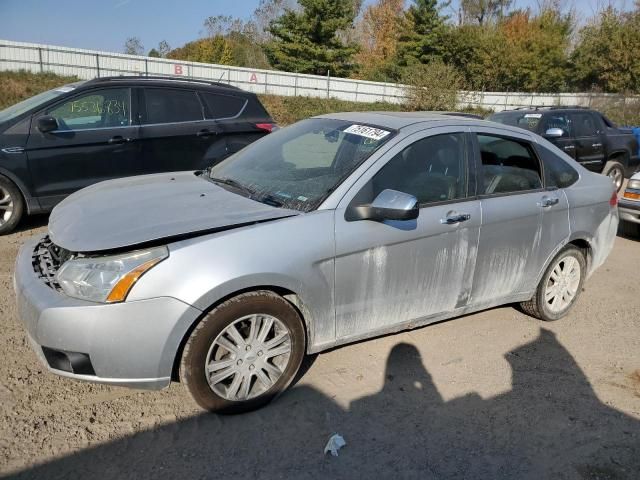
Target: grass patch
{"type": "Point", "coordinates": [17, 86]}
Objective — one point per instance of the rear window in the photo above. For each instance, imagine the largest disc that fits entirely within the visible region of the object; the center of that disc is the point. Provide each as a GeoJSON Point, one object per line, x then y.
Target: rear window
{"type": "Point", "coordinates": [558, 172]}
{"type": "Point", "coordinates": [172, 106]}
{"type": "Point", "coordinates": [527, 120]}
{"type": "Point", "coordinates": [223, 106]}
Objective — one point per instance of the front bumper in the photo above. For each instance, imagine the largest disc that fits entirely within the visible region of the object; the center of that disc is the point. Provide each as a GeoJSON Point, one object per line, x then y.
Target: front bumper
{"type": "Point", "coordinates": [130, 344]}
{"type": "Point", "coordinates": [629, 211]}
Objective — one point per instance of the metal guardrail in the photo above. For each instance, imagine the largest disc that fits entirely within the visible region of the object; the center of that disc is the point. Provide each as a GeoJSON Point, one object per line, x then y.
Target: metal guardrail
{"type": "Point", "coordinates": [87, 64]}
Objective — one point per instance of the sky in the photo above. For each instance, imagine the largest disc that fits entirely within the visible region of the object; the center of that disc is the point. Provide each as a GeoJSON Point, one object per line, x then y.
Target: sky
{"type": "Point", "coordinates": [106, 24]}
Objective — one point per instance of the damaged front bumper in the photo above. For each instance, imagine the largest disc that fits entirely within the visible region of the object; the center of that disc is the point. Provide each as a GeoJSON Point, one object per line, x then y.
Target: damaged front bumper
{"type": "Point", "coordinates": [131, 344]}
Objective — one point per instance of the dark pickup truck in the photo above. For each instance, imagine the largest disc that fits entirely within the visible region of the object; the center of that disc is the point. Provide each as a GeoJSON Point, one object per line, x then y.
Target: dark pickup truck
{"type": "Point", "coordinates": [586, 135]}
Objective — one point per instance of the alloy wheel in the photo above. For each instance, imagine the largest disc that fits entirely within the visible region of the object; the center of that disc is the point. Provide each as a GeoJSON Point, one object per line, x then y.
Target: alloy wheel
{"type": "Point", "coordinates": [6, 206]}
{"type": "Point", "coordinates": [563, 283]}
{"type": "Point", "coordinates": [616, 175]}
{"type": "Point", "coordinates": [248, 357]}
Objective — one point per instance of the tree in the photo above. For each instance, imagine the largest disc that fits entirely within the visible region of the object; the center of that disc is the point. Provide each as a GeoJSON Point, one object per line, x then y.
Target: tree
{"type": "Point", "coordinates": [432, 86]}
{"type": "Point", "coordinates": [163, 48]}
{"type": "Point", "coordinates": [379, 30]}
{"type": "Point", "coordinates": [421, 40]}
{"type": "Point", "coordinates": [308, 41]}
{"type": "Point", "coordinates": [133, 46]}
{"type": "Point", "coordinates": [606, 55]}
{"type": "Point", "coordinates": [483, 11]}
{"type": "Point", "coordinates": [153, 53]}
{"type": "Point", "coordinates": [206, 50]}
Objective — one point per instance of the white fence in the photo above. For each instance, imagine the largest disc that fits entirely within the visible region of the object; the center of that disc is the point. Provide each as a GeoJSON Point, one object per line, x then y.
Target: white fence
{"type": "Point", "coordinates": [87, 64]}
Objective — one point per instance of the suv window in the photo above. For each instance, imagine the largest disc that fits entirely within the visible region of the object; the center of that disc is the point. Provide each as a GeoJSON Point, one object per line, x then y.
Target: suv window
{"type": "Point", "coordinates": [222, 106]}
{"type": "Point", "coordinates": [166, 105]}
{"type": "Point", "coordinates": [584, 124]}
{"type": "Point", "coordinates": [558, 172]}
{"type": "Point", "coordinates": [106, 108]}
{"type": "Point", "coordinates": [557, 120]}
{"type": "Point", "coordinates": [508, 165]}
{"type": "Point", "coordinates": [433, 169]}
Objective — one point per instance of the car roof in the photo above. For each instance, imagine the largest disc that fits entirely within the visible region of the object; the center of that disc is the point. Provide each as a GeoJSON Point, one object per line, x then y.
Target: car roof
{"type": "Point", "coordinates": [399, 120]}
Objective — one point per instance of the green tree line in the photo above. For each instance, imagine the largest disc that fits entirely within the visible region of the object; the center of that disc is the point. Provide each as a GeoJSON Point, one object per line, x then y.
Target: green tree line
{"type": "Point", "coordinates": [489, 45]}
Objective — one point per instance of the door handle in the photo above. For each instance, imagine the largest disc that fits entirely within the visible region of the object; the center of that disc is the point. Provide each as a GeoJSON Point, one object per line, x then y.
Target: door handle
{"type": "Point", "coordinates": [569, 147]}
{"type": "Point", "coordinates": [205, 133]}
{"type": "Point", "coordinates": [117, 140]}
{"type": "Point", "coordinates": [596, 145]}
{"type": "Point", "coordinates": [454, 218]}
{"type": "Point", "coordinates": [548, 202]}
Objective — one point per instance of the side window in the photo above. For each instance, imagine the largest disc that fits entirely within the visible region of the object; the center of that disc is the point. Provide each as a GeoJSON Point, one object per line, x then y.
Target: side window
{"type": "Point", "coordinates": [557, 171]}
{"type": "Point", "coordinates": [557, 120]}
{"type": "Point", "coordinates": [584, 124]}
{"type": "Point", "coordinates": [96, 109]}
{"type": "Point", "coordinates": [433, 169]}
{"type": "Point", "coordinates": [508, 166]}
{"type": "Point", "coordinates": [222, 106]}
{"type": "Point", "coordinates": [170, 106]}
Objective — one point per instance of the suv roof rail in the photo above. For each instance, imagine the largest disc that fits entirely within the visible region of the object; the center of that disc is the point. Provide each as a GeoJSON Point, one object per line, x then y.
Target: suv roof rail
{"type": "Point", "coordinates": [568, 107]}
{"type": "Point", "coordinates": [161, 77]}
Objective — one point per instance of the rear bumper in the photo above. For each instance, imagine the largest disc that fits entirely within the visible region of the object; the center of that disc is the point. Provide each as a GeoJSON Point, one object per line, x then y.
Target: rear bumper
{"type": "Point", "coordinates": [131, 344]}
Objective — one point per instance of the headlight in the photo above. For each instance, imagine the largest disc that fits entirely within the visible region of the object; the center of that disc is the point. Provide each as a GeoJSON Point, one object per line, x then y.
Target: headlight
{"type": "Point", "coordinates": [632, 191]}
{"type": "Point", "coordinates": [107, 279]}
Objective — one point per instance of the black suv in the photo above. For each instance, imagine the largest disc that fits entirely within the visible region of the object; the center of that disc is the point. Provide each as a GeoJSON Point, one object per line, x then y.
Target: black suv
{"type": "Point", "coordinates": [586, 135]}
{"type": "Point", "coordinates": [73, 136]}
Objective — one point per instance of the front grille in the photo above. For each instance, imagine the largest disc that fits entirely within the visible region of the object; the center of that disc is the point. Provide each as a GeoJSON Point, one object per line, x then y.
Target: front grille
{"type": "Point", "coordinates": [47, 259]}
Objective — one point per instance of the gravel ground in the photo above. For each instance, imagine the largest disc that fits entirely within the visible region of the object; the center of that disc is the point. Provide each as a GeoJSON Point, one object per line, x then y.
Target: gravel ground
{"type": "Point", "coordinates": [491, 395]}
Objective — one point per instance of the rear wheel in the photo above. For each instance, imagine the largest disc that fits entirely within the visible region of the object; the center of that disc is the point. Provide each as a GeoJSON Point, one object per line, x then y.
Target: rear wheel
{"type": "Point", "coordinates": [243, 353]}
{"type": "Point", "coordinates": [615, 171]}
{"type": "Point", "coordinates": [560, 286]}
{"type": "Point", "coordinates": [11, 206]}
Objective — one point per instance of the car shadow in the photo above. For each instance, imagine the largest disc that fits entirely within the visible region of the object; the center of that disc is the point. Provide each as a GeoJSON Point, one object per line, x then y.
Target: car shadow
{"type": "Point", "coordinates": [550, 424]}
{"type": "Point", "coordinates": [31, 222]}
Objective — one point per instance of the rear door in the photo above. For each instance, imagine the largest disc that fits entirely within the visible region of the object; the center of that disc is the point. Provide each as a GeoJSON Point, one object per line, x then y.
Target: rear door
{"type": "Point", "coordinates": [174, 134]}
{"type": "Point", "coordinates": [588, 140]}
{"type": "Point", "coordinates": [521, 220]}
{"type": "Point", "coordinates": [96, 140]}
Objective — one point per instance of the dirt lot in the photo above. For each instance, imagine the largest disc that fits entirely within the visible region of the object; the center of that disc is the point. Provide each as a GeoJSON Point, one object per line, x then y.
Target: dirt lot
{"type": "Point", "coordinates": [492, 395]}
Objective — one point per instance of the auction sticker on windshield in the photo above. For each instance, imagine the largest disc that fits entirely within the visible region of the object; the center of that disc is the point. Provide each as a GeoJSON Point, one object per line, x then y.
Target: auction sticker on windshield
{"type": "Point", "coordinates": [368, 132]}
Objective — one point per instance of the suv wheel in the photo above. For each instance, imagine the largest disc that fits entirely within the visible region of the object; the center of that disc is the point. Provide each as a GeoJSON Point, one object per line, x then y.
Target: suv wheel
{"type": "Point", "coordinates": [11, 205]}
{"type": "Point", "coordinates": [243, 353]}
{"type": "Point", "coordinates": [560, 286]}
{"type": "Point", "coordinates": [615, 171]}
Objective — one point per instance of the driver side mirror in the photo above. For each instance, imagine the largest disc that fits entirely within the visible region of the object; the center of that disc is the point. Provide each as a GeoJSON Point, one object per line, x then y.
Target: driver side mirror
{"type": "Point", "coordinates": [47, 124]}
{"type": "Point", "coordinates": [388, 205]}
{"type": "Point", "coordinates": [554, 133]}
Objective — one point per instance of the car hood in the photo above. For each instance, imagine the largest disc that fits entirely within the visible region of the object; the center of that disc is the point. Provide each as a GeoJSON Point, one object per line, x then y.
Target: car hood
{"type": "Point", "coordinates": [131, 211]}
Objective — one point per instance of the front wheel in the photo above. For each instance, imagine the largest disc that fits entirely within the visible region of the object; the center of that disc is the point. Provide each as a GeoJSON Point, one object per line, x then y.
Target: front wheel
{"type": "Point", "coordinates": [243, 353]}
{"type": "Point", "coordinates": [11, 206]}
{"type": "Point", "coordinates": [560, 286]}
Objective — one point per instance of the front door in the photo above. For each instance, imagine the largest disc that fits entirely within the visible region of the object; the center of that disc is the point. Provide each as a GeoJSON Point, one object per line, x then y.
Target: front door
{"type": "Point", "coordinates": [390, 273]}
{"type": "Point", "coordinates": [95, 141]}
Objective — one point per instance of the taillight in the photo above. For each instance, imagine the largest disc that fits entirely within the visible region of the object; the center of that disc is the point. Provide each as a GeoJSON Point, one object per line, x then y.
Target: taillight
{"type": "Point", "coordinates": [613, 201]}
{"type": "Point", "coordinates": [267, 127]}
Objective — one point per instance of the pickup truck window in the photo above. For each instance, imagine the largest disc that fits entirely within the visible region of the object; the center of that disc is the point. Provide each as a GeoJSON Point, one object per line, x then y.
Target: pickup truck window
{"type": "Point", "coordinates": [557, 120]}
{"type": "Point", "coordinates": [584, 124]}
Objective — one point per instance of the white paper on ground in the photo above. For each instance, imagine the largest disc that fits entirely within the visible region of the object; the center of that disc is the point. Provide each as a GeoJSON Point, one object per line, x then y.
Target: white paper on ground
{"type": "Point", "coordinates": [335, 443]}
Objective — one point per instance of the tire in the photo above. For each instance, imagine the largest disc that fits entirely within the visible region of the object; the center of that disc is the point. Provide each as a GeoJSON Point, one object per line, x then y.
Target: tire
{"type": "Point", "coordinates": [11, 206]}
{"type": "Point", "coordinates": [229, 391]}
{"type": "Point", "coordinates": [543, 308]}
{"type": "Point", "coordinates": [615, 171]}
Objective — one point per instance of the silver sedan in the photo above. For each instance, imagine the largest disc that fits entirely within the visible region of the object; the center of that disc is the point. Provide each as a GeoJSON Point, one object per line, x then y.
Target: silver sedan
{"type": "Point", "coordinates": [335, 229]}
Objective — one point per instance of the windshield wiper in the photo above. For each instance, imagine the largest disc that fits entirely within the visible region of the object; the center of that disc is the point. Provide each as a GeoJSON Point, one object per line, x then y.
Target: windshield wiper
{"type": "Point", "coordinates": [234, 184]}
